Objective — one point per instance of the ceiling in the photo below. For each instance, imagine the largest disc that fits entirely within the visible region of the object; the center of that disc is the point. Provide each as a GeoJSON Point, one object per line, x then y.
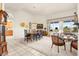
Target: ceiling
{"type": "Point", "coordinates": [40, 8]}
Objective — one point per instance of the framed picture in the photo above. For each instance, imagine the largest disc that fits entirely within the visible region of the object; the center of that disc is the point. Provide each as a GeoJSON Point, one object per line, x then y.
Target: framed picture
{"type": "Point", "coordinates": [39, 26]}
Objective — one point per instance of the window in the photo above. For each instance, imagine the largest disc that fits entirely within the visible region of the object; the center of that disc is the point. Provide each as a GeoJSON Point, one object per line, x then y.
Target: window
{"type": "Point", "coordinates": [68, 26]}
{"type": "Point", "coordinates": [54, 26]}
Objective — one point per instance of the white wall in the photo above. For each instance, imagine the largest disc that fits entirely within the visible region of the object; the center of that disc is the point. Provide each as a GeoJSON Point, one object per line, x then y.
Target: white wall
{"type": "Point", "coordinates": [19, 16]}
{"type": "Point", "coordinates": [63, 14]}
{"type": "Point", "coordinates": [40, 19]}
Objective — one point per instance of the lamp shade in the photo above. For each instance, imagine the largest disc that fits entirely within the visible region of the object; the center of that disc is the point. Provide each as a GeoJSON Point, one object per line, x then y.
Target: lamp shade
{"type": "Point", "coordinates": [23, 24]}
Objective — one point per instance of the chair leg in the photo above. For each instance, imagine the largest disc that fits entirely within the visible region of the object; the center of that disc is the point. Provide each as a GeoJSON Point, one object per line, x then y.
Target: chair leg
{"type": "Point", "coordinates": [27, 39]}
{"type": "Point", "coordinates": [52, 45]}
{"type": "Point", "coordinates": [70, 48]}
{"type": "Point", "coordinates": [24, 39]}
{"type": "Point", "coordinates": [64, 47]}
{"type": "Point", "coordinates": [58, 49]}
{"type": "Point", "coordinates": [31, 39]}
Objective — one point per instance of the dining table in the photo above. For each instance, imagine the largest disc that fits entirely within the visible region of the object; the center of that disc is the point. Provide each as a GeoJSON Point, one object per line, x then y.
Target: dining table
{"type": "Point", "coordinates": [68, 38]}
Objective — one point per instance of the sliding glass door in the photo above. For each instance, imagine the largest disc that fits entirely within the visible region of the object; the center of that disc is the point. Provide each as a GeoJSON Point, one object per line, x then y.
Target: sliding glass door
{"type": "Point", "coordinates": [55, 26]}
{"type": "Point", "coordinates": [69, 27]}
{"type": "Point", "coordinates": [63, 27]}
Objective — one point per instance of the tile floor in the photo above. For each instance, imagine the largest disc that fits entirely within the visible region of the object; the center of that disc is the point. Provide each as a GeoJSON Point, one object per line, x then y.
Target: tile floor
{"type": "Point", "coordinates": [15, 48]}
{"type": "Point", "coordinates": [19, 47]}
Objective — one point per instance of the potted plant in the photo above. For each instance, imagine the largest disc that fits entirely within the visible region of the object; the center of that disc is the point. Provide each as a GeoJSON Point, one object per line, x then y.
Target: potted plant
{"type": "Point", "coordinates": [66, 29]}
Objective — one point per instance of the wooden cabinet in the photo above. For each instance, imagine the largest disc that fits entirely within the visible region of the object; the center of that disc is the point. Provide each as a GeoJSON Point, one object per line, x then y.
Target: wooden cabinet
{"type": "Point", "coordinates": [1, 50]}
{"type": "Point", "coordinates": [3, 43]}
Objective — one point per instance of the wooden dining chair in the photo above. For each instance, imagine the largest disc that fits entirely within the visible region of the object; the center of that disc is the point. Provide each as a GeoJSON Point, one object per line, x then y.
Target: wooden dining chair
{"type": "Point", "coordinates": [58, 42]}
{"type": "Point", "coordinates": [28, 37]}
{"type": "Point", "coordinates": [74, 44]}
